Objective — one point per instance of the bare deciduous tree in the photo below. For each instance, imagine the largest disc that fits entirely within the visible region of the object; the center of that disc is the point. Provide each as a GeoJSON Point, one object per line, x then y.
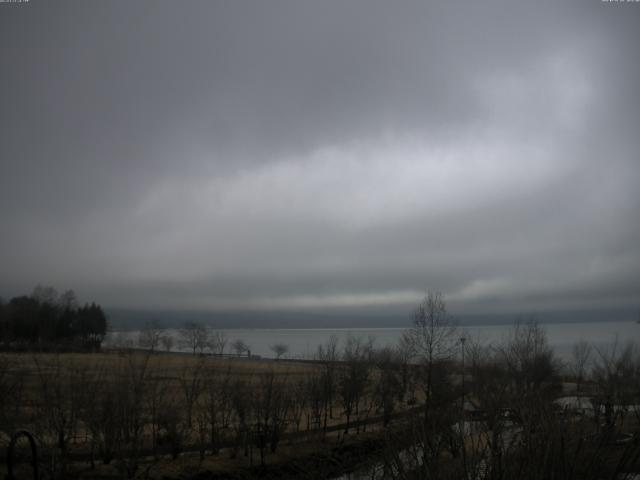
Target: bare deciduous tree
{"type": "Point", "coordinates": [270, 405]}
{"type": "Point", "coordinates": [130, 393]}
{"type": "Point", "coordinates": [195, 337]}
{"type": "Point", "coordinates": [314, 386]}
{"type": "Point", "coordinates": [157, 390]}
{"type": "Point", "coordinates": [218, 342]}
{"type": "Point", "coordinates": [239, 346]}
{"type": "Point", "coordinates": [529, 356]}
{"type": "Point", "coordinates": [167, 342]}
{"type": "Point", "coordinates": [614, 371]}
{"type": "Point", "coordinates": [150, 336]}
{"type": "Point", "coordinates": [431, 339]}
{"type": "Point", "coordinates": [11, 390]}
{"type": "Point", "coordinates": [59, 404]}
{"type": "Point", "coordinates": [279, 349]}
{"type": "Point", "coordinates": [216, 407]}
{"type": "Point", "coordinates": [241, 405]}
{"type": "Point", "coordinates": [328, 356]}
{"type": "Point", "coordinates": [354, 377]}
{"type": "Point", "coordinates": [580, 355]}
{"type": "Point", "coordinates": [406, 385]}
{"type": "Point", "coordinates": [387, 384]}
{"type": "Point", "coordinates": [299, 401]}
{"type": "Point", "coordinates": [191, 383]}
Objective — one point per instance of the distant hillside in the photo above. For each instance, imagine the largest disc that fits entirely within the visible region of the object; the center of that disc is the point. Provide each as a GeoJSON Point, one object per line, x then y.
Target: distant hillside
{"type": "Point", "coordinates": [123, 319]}
{"type": "Point", "coordinates": [126, 319]}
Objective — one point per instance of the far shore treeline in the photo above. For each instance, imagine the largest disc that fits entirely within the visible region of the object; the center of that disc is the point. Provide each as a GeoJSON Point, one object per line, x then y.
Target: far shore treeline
{"type": "Point", "coordinates": [46, 320]}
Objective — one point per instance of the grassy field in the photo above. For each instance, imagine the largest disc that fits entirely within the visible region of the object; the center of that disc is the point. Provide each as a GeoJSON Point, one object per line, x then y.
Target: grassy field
{"type": "Point", "coordinates": [194, 412]}
{"type": "Point", "coordinates": [133, 414]}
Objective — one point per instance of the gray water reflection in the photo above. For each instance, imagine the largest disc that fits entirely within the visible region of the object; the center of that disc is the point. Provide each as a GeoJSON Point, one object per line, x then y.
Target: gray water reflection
{"type": "Point", "coordinates": [303, 343]}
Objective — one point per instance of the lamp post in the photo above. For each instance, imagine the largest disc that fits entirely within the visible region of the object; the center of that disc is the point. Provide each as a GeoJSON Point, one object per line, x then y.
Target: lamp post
{"type": "Point", "coordinates": [462, 340]}
{"type": "Point", "coordinates": [462, 423]}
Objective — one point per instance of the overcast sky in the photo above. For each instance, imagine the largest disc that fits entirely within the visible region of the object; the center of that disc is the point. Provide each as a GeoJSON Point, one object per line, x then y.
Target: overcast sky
{"type": "Point", "coordinates": [329, 154]}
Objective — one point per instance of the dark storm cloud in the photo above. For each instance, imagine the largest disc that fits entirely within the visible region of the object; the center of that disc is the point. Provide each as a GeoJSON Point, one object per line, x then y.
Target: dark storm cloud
{"type": "Point", "coordinates": [321, 154]}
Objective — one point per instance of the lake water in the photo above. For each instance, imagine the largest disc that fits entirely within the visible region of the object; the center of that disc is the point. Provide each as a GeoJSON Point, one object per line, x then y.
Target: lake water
{"type": "Point", "coordinates": [303, 343]}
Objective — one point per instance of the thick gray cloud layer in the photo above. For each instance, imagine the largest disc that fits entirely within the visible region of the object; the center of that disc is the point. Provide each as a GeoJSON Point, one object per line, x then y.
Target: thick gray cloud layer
{"type": "Point", "coordinates": [211, 154]}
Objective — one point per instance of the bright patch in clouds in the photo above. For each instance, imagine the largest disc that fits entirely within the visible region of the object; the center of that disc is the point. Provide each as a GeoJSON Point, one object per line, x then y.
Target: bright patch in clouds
{"type": "Point", "coordinates": [312, 155]}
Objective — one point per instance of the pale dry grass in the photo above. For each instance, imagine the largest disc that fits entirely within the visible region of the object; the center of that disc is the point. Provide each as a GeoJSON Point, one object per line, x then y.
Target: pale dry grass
{"type": "Point", "coordinates": [165, 364]}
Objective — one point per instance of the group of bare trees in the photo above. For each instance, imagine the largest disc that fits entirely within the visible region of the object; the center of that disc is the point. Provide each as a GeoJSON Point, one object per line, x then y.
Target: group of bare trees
{"type": "Point", "coordinates": [493, 416]}
{"type": "Point", "coordinates": [127, 406]}
{"type": "Point", "coordinates": [193, 337]}
{"type": "Point", "coordinates": [615, 382]}
{"type": "Point", "coordinates": [497, 416]}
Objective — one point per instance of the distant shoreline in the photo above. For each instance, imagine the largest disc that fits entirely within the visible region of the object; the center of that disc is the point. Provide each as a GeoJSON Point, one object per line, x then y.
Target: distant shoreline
{"type": "Point", "coordinates": [128, 320]}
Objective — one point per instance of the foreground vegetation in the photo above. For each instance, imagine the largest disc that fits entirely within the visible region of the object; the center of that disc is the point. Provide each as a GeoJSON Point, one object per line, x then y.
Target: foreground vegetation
{"type": "Point", "coordinates": [436, 406]}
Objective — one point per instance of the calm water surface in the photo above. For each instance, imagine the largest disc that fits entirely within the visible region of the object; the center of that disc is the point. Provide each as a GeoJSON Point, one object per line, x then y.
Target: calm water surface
{"type": "Point", "coordinates": [303, 343]}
